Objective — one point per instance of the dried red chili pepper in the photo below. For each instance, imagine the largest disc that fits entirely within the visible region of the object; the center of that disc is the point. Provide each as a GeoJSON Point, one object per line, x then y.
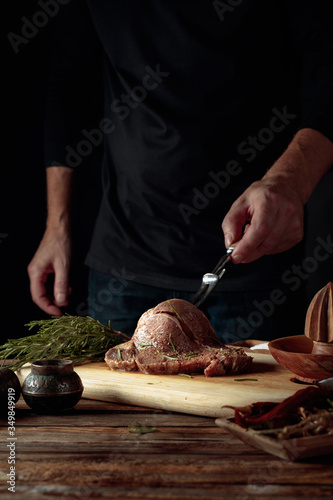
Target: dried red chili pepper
{"type": "Point", "coordinates": [276, 415]}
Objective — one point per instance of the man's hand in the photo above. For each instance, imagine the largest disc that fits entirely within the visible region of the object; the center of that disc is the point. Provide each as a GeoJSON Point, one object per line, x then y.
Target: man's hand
{"type": "Point", "coordinates": [54, 252]}
{"type": "Point", "coordinates": [51, 258]}
{"type": "Point", "coordinates": [274, 205]}
{"type": "Point", "coordinates": [275, 213]}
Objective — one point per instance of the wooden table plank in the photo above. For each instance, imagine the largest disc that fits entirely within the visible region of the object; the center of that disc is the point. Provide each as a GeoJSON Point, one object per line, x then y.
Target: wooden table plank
{"type": "Point", "coordinates": [236, 492]}
{"type": "Point", "coordinates": [89, 453]}
{"type": "Point", "coordinates": [177, 469]}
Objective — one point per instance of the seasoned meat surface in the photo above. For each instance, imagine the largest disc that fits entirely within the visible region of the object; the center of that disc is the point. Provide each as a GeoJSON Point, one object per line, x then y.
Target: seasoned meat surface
{"type": "Point", "coordinates": [176, 337]}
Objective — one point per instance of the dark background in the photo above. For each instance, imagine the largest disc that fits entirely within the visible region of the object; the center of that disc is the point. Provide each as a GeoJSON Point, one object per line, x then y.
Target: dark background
{"type": "Point", "coordinates": [23, 203]}
{"type": "Point", "coordinates": [22, 178]}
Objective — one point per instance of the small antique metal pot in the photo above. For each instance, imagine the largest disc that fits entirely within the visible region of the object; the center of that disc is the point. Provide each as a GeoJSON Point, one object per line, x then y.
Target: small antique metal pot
{"type": "Point", "coordinates": [10, 388]}
{"type": "Point", "coordinates": [52, 386]}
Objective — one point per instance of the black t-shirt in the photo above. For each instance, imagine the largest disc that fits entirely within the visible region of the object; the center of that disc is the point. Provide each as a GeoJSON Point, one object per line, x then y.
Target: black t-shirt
{"type": "Point", "coordinates": [199, 99]}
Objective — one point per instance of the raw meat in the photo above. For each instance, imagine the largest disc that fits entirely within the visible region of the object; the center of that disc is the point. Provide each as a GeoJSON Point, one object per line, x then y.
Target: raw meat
{"type": "Point", "coordinates": [176, 337]}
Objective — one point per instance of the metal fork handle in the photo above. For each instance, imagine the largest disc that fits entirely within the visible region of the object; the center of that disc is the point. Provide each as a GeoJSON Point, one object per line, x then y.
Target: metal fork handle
{"type": "Point", "coordinates": [220, 266]}
{"type": "Point", "coordinates": [210, 280]}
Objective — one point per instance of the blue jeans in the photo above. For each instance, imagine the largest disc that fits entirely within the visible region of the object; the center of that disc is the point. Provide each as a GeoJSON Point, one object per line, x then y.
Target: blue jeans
{"type": "Point", "coordinates": [233, 315]}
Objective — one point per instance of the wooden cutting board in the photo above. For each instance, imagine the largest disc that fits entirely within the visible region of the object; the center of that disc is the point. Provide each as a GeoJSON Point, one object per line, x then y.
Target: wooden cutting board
{"type": "Point", "coordinates": [197, 395]}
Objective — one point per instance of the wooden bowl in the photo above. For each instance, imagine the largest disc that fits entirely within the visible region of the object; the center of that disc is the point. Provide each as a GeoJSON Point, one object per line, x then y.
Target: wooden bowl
{"type": "Point", "coordinates": [294, 353]}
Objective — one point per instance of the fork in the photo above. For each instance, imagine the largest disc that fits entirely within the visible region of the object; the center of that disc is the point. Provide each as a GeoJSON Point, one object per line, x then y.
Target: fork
{"type": "Point", "coordinates": [210, 280]}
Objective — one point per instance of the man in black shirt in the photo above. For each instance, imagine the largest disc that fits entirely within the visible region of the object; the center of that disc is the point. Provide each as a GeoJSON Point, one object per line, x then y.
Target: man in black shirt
{"type": "Point", "coordinates": [212, 112]}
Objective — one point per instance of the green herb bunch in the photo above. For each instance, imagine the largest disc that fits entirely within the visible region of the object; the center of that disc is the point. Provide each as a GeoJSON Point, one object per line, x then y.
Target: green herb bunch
{"type": "Point", "coordinates": [79, 338]}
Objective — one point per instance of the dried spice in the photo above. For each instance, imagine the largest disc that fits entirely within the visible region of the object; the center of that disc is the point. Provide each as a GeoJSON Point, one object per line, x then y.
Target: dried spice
{"type": "Point", "coordinates": [308, 412]}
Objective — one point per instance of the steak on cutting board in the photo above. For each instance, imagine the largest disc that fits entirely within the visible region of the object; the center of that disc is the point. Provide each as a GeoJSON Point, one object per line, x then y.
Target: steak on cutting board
{"type": "Point", "coordinates": [176, 337]}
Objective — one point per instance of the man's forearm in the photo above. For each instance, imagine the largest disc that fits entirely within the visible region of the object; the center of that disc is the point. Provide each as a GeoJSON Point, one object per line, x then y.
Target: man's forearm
{"type": "Point", "coordinates": [54, 251]}
{"type": "Point", "coordinates": [59, 184]}
{"type": "Point", "coordinates": [306, 160]}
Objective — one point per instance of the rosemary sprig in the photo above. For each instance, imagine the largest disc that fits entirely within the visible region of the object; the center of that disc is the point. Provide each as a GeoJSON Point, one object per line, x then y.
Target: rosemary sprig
{"type": "Point", "coordinates": [140, 429]}
{"type": "Point", "coordinates": [79, 338]}
{"type": "Point", "coordinates": [144, 346]}
{"type": "Point", "coordinates": [169, 357]}
{"type": "Point", "coordinates": [177, 313]}
{"type": "Point", "coordinates": [171, 343]}
{"type": "Point", "coordinates": [245, 379]}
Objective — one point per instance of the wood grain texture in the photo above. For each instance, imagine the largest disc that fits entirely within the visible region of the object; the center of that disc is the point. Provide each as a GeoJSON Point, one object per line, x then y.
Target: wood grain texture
{"type": "Point", "coordinates": [319, 320]}
{"type": "Point", "coordinates": [89, 453]}
{"type": "Point", "coordinates": [296, 354]}
{"type": "Point", "coordinates": [197, 395]}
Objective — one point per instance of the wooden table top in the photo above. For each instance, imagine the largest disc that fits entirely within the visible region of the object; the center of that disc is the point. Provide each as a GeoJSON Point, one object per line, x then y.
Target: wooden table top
{"type": "Point", "coordinates": [89, 453]}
